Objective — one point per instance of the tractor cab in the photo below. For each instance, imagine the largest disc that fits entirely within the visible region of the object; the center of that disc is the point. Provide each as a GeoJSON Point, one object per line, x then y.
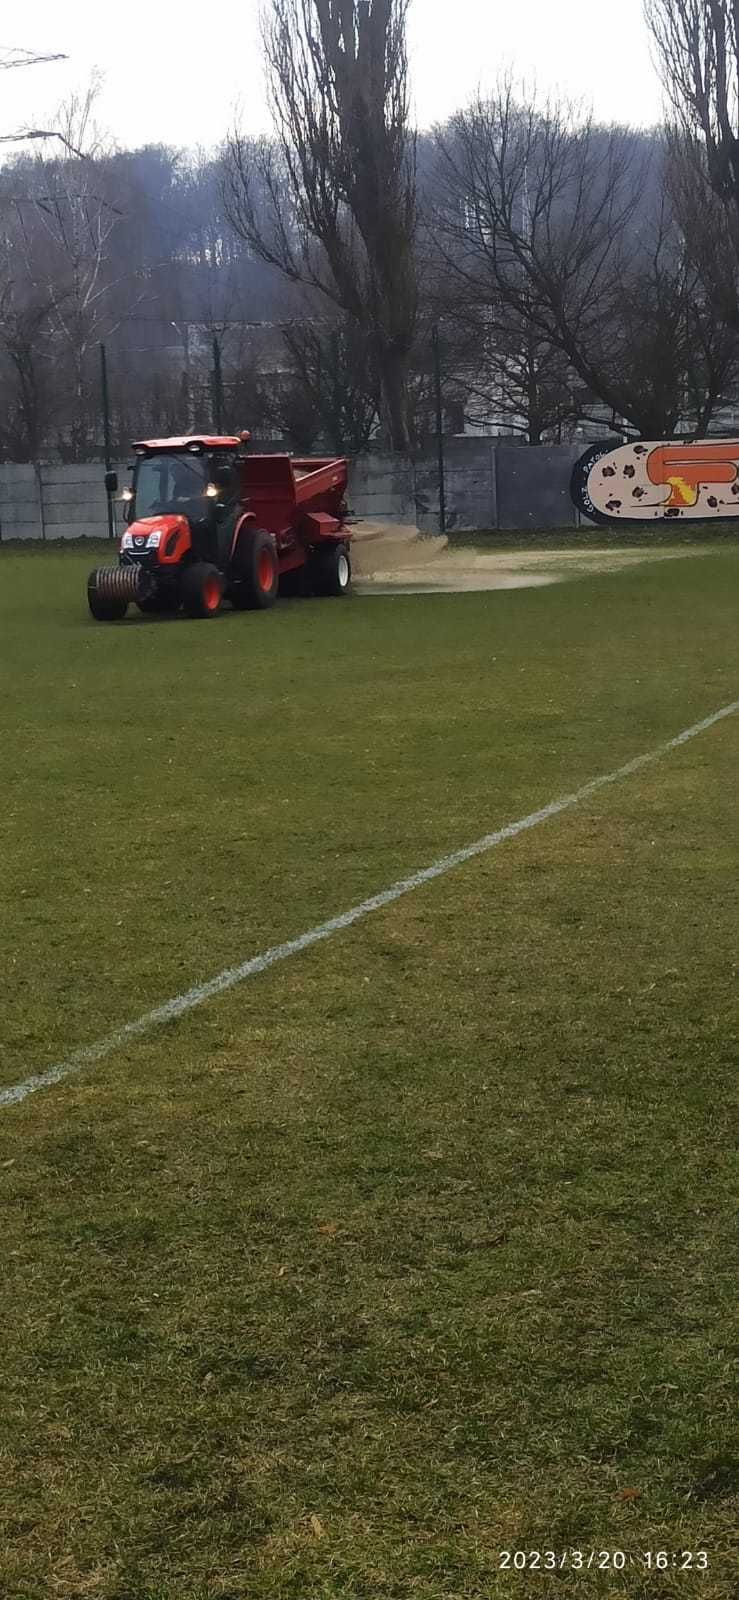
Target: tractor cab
{"type": "Point", "coordinates": [194, 479]}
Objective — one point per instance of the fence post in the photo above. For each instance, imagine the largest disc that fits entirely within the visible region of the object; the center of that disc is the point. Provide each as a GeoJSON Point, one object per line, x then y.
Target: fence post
{"type": "Point", "coordinates": [439, 426]}
{"type": "Point", "coordinates": [496, 484]}
{"type": "Point", "coordinates": [106, 437]}
{"type": "Point", "coordinates": [217, 387]}
{"type": "Point", "coordinates": [40, 494]}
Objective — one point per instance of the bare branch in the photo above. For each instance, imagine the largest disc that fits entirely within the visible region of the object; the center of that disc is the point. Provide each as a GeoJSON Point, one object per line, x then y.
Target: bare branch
{"type": "Point", "coordinates": [333, 204]}
{"type": "Point", "coordinates": [11, 56]}
{"type": "Point", "coordinates": [546, 216]}
{"type": "Point", "coordinates": [697, 44]}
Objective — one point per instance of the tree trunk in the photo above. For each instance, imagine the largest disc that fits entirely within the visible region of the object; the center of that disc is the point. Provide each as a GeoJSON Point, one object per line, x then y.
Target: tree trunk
{"type": "Point", "coordinates": [394, 400]}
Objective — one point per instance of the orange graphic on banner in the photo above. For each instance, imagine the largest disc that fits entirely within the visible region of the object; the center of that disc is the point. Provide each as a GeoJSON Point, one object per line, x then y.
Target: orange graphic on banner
{"type": "Point", "coordinates": [687, 467]}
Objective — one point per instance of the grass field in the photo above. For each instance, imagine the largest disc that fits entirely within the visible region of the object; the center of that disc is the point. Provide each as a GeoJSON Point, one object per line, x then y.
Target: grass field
{"type": "Point", "coordinates": [418, 1247]}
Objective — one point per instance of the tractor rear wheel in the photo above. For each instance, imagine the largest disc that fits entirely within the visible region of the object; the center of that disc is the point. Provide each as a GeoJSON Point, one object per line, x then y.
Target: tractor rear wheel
{"type": "Point", "coordinates": [202, 590]}
{"type": "Point", "coordinates": [331, 569]}
{"type": "Point", "coordinates": [104, 607]}
{"type": "Point", "coordinates": [256, 577]}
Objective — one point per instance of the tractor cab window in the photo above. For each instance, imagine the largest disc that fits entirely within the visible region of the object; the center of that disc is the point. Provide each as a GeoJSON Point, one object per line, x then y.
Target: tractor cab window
{"type": "Point", "coordinates": [171, 484]}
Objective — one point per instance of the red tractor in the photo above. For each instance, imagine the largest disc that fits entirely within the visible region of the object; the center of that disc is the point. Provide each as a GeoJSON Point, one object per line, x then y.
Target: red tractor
{"type": "Point", "coordinates": [208, 522]}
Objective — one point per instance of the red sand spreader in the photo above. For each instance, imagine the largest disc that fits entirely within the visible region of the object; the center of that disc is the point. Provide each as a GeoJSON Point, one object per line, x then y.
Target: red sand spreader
{"type": "Point", "coordinates": [207, 522]}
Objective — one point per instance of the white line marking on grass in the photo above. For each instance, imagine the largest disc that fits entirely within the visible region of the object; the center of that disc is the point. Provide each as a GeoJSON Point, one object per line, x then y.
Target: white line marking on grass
{"type": "Point", "coordinates": [90, 1054]}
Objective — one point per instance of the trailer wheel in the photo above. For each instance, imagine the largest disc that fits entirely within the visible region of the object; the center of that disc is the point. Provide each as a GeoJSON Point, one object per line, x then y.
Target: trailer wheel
{"type": "Point", "coordinates": [202, 590]}
{"type": "Point", "coordinates": [256, 577]}
{"type": "Point", "coordinates": [104, 607]}
{"type": "Point", "coordinates": [331, 569]}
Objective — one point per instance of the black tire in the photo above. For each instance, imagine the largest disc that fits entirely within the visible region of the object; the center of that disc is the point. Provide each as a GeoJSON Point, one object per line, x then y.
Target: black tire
{"type": "Point", "coordinates": [256, 575]}
{"type": "Point", "coordinates": [202, 590]}
{"type": "Point", "coordinates": [331, 569]}
{"type": "Point", "coordinates": [579, 492]}
{"type": "Point", "coordinates": [104, 609]}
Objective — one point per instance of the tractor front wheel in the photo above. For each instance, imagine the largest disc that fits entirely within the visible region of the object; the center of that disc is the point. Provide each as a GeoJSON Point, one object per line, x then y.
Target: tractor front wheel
{"type": "Point", "coordinates": [331, 569]}
{"type": "Point", "coordinates": [202, 590]}
{"type": "Point", "coordinates": [256, 577]}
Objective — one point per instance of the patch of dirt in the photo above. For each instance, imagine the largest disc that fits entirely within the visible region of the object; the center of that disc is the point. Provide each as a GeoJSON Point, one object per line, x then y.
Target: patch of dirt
{"type": "Point", "coordinates": [394, 558]}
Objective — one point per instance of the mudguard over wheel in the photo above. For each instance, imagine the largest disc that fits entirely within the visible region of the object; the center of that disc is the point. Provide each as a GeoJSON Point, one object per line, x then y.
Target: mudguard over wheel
{"type": "Point", "coordinates": [256, 576]}
{"type": "Point", "coordinates": [331, 569]}
{"type": "Point", "coordinates": [202, 590]}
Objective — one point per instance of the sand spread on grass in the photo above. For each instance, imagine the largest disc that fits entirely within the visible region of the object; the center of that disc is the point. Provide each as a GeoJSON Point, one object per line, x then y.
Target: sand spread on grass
{"type": "Point", "coordinates": [394, 558]}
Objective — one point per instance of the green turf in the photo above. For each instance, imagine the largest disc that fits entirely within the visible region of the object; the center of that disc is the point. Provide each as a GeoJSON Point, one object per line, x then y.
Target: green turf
{"type": "Point", "coordinates": [648, 537]}
{"type": "Point", "coordinates": [418, 1247]}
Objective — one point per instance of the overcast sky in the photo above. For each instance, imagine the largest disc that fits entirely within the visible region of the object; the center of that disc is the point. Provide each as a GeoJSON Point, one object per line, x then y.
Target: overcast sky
{"type": "Point", "coordinates": [176, 74]}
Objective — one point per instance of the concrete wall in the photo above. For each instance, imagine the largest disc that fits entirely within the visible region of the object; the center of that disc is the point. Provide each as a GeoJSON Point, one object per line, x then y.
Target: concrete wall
{"type": "Point", "coordinates": [54, 502]}
{"type": "Point", "coordinates": [488, 484]}
{"type": "Point", "coordinates": [382, 487]}
{"type": "Point", "coordinates": [534, 485]}
{"type": "Point", "coordinates": [470, 486]}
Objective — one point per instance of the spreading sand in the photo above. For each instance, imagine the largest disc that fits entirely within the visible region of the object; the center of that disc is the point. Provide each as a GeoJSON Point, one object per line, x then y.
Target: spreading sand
{"type": "Point", "coordinates": [394, 558]}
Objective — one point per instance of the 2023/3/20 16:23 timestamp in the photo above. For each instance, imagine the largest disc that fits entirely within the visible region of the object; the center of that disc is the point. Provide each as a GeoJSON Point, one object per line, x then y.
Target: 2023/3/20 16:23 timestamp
{"type": "Point", "coordinates": [603, 1560]}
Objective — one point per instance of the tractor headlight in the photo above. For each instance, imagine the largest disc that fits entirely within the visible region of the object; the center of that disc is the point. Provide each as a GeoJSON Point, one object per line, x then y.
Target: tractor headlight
{"type": "Point", "coordinates": [153, 540]}
{"type": "Point", "coordinates": [127, 541]}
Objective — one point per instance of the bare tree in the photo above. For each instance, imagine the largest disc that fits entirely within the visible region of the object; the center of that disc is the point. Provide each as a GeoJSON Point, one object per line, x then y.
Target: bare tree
{"type": "Point", "coordinates": [320, 389]}
{"type": "Point", "coordinates": [709, 227]}
{"type": "Point", "coordinates": [339, 186]}
{"type": "Point", "coordinates": [131, 247]}
{"type": "Point", "coordinates": [26, 365]}
{"type": "Point", "coordinates": [567, 226]}
{"type": "Point", "coordinates": [523, 384]}
{"type": "Point", "coordinates": [77, 221]}
{"type": "Point", "coordinates": [501, 371]}
{"type": "Point", "coordinates": [697, 44]}
{"type": "Point", "coordinates": [332, 367]}
{"type": "Point", "coordinates": [698, 48]}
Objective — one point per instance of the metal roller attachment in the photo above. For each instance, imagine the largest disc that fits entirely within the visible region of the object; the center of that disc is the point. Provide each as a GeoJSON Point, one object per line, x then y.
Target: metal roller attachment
{"type": "Point", "coordinates": [121, 583]}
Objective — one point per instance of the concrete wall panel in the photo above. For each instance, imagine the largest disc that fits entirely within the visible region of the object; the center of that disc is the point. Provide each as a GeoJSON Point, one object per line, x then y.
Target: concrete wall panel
{"type": "Point", "coordinates": [489, 485]}
{"type": "Point", "coordinates": [533, 486]}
